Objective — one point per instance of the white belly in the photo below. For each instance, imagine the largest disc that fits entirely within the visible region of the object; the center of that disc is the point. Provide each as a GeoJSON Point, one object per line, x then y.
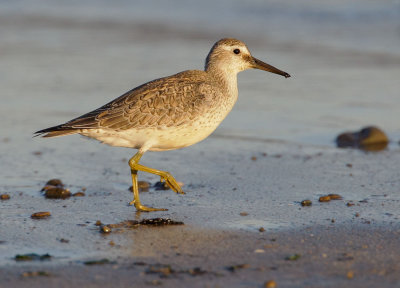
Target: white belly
{"type": "Point", "coordinates": [155, 139]}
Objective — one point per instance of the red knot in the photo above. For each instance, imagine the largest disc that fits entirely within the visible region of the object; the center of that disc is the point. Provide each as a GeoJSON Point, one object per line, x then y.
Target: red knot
{"type": "Point", "coordinates": [169, 113]}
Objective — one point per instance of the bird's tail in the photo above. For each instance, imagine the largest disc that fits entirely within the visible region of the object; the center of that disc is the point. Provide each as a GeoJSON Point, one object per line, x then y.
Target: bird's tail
{"type": "Point", "coordinates": [56, 131]}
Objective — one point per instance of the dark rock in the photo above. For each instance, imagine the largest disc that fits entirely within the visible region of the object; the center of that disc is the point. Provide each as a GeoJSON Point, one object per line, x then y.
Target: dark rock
{"type": "Point", "coordinates": [161, 186]}
{"type": "Point", "coordinates": [4, 197]}
{"type": "Point", "coordinates": [306, 203]}
{"type": "Point", "coordinates": [55, 182]}
{"type": "Point", "coordinates": [32, 257]}
{"type": "Point", "coordinates": [78, 194]}
{"type": "Point", "coordinates": [57, 193]}
{"type": "Point", "coordinates": [40, 215]}
{"type": "Point", "coordinates": [369, 138]}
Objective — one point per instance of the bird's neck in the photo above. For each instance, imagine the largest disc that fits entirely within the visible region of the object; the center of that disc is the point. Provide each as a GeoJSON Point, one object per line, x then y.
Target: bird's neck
{"type": "Point", "coordinates": [226, 78]}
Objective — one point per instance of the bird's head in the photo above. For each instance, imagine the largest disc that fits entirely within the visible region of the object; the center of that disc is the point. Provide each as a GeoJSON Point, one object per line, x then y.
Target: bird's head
{"type": "Point", "coordinates": [232, 55]}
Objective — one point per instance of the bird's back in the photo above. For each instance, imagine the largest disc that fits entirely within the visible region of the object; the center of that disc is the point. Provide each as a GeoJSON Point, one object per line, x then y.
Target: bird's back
{"type": "Point", "coordinates": [191, 99]}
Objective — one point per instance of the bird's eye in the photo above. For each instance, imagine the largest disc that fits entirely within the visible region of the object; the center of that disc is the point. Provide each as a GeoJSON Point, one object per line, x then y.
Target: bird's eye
{"type": "Point", "coordinates": [236, 51]}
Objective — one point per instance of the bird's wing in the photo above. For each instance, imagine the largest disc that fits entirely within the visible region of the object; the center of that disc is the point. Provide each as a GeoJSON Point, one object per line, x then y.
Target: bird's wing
{"type": "Point", "coordinates": [165, 102]}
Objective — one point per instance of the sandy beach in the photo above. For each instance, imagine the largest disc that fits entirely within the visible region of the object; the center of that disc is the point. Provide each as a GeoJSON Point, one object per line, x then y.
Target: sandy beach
{"type": "Point", "coordinates": [244, 224]}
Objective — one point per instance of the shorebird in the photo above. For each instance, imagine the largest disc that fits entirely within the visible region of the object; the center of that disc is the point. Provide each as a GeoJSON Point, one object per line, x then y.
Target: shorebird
{"type": "Point", "coordinates": [168, 113]}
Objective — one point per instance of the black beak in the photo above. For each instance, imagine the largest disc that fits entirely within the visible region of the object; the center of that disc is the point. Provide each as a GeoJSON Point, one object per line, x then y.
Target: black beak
{"type": "Point", "coordinates": [258, 64]}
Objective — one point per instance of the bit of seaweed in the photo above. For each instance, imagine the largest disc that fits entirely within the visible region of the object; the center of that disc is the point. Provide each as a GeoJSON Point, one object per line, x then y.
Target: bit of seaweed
{"type": "Point", "coordinates": [32, 257]}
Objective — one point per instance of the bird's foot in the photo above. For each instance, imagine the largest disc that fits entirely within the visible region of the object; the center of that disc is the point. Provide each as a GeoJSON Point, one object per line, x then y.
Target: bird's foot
{"type": "Point", "coordinates": [171, 182]}
{"type": "Point", "coordinates": [142, 208]}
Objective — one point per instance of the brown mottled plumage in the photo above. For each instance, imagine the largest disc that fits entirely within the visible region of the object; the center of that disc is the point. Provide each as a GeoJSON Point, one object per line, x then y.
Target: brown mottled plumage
{"type": "Point", "coordinates": [171, 112]}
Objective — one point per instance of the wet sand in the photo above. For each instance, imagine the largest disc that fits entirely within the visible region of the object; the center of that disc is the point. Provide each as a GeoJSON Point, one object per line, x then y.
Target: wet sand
{"type": "Point", "coordinates": [329, 256]}
{"type": "Point", "coordinates": [225, 206]}
{"type": "Point", "coordinates": [237, 181]}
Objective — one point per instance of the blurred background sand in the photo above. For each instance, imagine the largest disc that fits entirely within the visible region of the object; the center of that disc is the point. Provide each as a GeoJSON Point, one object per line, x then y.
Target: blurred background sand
{"type": "Point", "coordinates": [63, 58]}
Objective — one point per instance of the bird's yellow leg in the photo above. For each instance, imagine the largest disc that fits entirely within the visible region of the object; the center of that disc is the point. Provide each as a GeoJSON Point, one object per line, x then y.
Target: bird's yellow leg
{"type": "Point", "coordinates": [133, 162]}
{"type": "Point", "coordinates": [165, 176]}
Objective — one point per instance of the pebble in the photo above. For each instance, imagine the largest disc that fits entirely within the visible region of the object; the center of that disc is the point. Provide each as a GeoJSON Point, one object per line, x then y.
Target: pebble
{"type": "Point", "coordinates": [98, 262]}
{"type": "Point", "coordinates": [105, 229]}
{"type": "Point", "coordinates": [160, 222]}
{"type": "Point", "coordinates": [244, 213]}
{"type": "Point", "coordinates": [40, 215]}
{"type": "Point", "coordinates": [78, 194]}
{"type": "Point", "coordinates": [262, 229]}
{"type": "Point", "coordinates": [335, 197]}
{"type": "Point", "coordinates": [270, 284]}
{"type": "Point", "coordinates": [350, 274]}
{"type": "Point", "coordinates": [98, 223]}
{"type": "Point", "coordinates": [369, 138]}
{"type": "Point", "coordinates": [324, 199]}
{"type": "Point", "coordinates": [160, 269]}
{"type": "Point", "coordinates": [32, 257]}
{"type": "Point", "coordinates": [161, 186]}
{"type": "Point", "coordinates": [57, 193]}
{"type": "Point", "coordinates": [35, 273]}
{"type": "Point", "coordinates": [55, 182]}
{"type": "Point", "coordinates": [306, 203]}
{"type": "Point", "coordinates": [143, 186]}
{"type": "Point", "coordinates": [237, 267]}
{"type": "Point", "coordinates": [4, 196]}
{"type": "Point", "coordinates": [293, 257]}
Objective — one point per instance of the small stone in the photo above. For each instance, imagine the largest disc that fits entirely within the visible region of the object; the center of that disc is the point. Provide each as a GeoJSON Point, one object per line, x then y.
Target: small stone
{"type": "Point", "coordinates": [57, 193]}
{"type": "Point", "coordinates": [259, 251]}
{"type": "Point", "coordinates": [306, 202]}
{"type": "Point", "coordinates": [350, 274]}
{"type": "Point", "coordinates": [143, 186]}
{"type": "Point", "coordinates": [4, 196]}
{"type": "Point", "coordinates": [237, 267]}
{"type": "Point", "coordinates": [349, 165]}
{"type": "Point", "coordinates": [55, 182]}
{"type": "Point", "coordinates": [270, 284]}
{"type": "Point", "coordinates": [78, 194]}
{"type": "Point", "coordinates": [98, 262]}
{"type": "Point", "coordinates": [161, 186]}
{"type": "Point", "coordinates": [35, 273]}
{"type": "Point", "coordinates": [335, 197]}
{"type": "Point", "coordinates": [293, 257]}
{"type": "Point", "coordinates": [32, 257]}
{"type": "Point", "coordinates": [159, 222]}
{"type": "Point", "coordinates": [349, 204]}
{"type": "Point", "coordinates": [160, 269]}
{"type": "Point", "coordinates": [254, 158]}
{"type": "Point", "coordinates": [98, 223]}
{"type": "Point", "coordinates": [261, 229]}
{"type": "Point", "coordinates": [244, 213]}
{"type": "Point", "coordinates": [324, 198]}
{"type": "Point", "coordinates": [40, 215]}
{"type": "Point", "coordinates": [357, 214]}
{"type": "Point", "coordinates": [62, 240]}
{"type": "Point", "coordinates": [105, 229]}
{"type": "Point", "coordinates": [111, 243]}
{"type": "Point", "coordinates": [369, 138]}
